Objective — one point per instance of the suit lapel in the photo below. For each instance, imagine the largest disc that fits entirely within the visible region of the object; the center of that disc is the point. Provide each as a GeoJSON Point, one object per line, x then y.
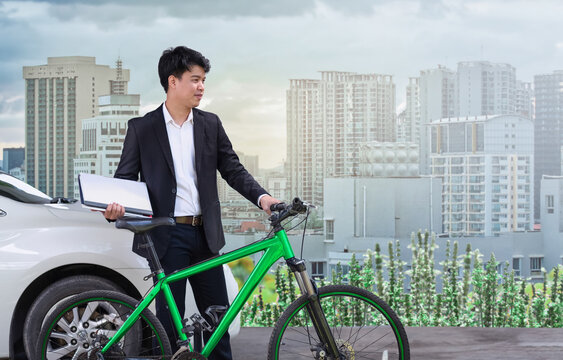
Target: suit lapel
{"type": "Point", "coordinates": [162, 135]}
{"type": "Point", "coordinates": [199, 136]}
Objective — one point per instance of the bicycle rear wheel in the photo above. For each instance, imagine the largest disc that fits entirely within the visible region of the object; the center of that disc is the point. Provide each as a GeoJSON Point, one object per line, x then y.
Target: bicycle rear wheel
{"type": "Point", "coordinates": [363, 326]}
{"type": "Point", "coordinates": [80, 326]}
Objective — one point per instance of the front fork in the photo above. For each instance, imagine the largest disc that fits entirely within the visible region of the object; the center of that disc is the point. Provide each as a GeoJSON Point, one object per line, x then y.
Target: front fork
{"type": "Point", "coordinates": [309, 288]}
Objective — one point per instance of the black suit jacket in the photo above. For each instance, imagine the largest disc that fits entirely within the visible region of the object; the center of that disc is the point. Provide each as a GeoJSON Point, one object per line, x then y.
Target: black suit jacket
{"type": "Point", "coordinates": [146, 152]}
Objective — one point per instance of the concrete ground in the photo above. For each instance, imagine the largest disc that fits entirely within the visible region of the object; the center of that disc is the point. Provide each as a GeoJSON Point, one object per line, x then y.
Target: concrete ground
{"type": "Point", "coordinates": [442, 343]}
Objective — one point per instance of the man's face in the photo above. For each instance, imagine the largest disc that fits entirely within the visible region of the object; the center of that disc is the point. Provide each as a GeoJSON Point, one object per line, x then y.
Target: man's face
{"type": "Point", "coordinates": [188, 89]}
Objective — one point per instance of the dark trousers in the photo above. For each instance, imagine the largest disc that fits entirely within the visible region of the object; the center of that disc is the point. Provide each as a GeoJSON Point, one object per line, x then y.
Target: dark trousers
{"type": "Point", "coordinates": [188, 246]}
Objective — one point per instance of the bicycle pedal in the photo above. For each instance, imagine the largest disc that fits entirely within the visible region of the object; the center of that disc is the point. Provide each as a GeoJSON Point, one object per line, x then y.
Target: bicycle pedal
{"type": "Point", "coordinates": [188, 329]}
{"type": "Point", "coordinates": [200, 323]}
{"type": "Point", "coordinates": [215, 313]}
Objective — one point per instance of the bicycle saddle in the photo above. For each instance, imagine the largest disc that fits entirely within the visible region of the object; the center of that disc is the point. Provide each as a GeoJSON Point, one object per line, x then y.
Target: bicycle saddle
{"type": "Point", "coordinates": [140, 225]}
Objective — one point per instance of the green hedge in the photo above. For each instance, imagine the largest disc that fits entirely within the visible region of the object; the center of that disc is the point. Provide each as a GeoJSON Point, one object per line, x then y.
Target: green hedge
{"type": "Point", "coordinates": [473, 292]}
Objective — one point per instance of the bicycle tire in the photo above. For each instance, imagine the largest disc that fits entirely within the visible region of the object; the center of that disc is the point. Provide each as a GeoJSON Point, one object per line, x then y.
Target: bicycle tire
{"type": "Point", "coordinates": [79, 327]}
{"type": "Point", "coordinates": [363, 325]}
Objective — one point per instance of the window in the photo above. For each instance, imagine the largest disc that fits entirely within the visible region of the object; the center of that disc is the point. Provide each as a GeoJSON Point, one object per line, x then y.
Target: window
{"type": "Point", "coordinates": [536, 263]}
{"type": "Point", "coordinates": [344, 270]}
{"type": "Point", "coordinates": [329, 229]}
{"type": "Point", "coordinates": [516, 266]}
{"type": "Point", "coordinates": [549, 204]}
{"type": "Point", "coordinates": [318, 269]}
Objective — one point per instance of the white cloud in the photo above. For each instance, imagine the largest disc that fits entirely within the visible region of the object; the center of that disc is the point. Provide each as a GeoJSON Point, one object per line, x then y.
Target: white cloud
{"type": "Point", "coordinates": [261, 46]}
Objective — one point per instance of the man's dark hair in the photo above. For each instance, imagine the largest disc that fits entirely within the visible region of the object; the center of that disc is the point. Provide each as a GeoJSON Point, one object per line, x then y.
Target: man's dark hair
{"type": "Point", "coordinates": [176, 61]}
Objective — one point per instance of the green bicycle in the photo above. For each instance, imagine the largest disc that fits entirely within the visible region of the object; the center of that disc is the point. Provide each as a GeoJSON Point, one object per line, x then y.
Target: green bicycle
{"type": "Point", "coordinates": [331, 322]}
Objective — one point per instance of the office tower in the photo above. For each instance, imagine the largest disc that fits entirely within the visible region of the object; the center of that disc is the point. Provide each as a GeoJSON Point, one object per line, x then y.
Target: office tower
{"type": "Point", "coordinates": [436, 101]}
{"type": "Point", "coordinates": [487, 165]}
{"type": "Point", "coordinates": [13, 158]}
{"type": "Point", "coordinates": [485, 88]}
{"type": "Point", "coordinates": [58, 96]}
{"type": "Point", "coordinates": [328, 119]}
{"type": "Point", "coordinates": [548, 128]}
{"type": "Point", "coordinates": [103, 136]}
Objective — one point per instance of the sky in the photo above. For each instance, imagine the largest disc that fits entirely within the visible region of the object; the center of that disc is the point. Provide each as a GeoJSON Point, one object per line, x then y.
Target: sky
{"type": "Point", "coordinates": [256, 47]}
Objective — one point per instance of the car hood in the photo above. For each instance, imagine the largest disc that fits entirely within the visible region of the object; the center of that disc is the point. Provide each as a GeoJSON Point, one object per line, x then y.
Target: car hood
{"type": "Point", "coordinates": [75, 213]}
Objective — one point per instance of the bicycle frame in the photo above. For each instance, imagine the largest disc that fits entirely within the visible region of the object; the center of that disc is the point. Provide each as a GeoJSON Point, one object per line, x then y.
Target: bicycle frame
{"type": "Point", "coordinates": [274, 249]}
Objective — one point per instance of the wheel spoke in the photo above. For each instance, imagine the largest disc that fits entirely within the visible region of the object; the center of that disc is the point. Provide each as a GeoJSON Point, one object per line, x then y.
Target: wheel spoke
{"type": "Point", "coordinates": [64, 325]}
{"type": "Point", "coordinates": [63, 336]}
{"type": "Point", "coordinates": [77, 354]}
{"type": "Point", "coordinates": [60, 352]}
{"type": "Point", "coordinates": [88, 311]}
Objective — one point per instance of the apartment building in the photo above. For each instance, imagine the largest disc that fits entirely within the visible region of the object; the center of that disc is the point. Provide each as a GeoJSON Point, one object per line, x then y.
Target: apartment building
{"type": "Point", "coordinates": [487, 167]}
{"type": "Point", "coordinates": [327, 119]}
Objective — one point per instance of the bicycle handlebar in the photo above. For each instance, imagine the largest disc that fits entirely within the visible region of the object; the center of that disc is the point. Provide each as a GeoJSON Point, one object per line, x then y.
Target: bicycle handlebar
{"type": "Point", "coordinates": [296, 207]}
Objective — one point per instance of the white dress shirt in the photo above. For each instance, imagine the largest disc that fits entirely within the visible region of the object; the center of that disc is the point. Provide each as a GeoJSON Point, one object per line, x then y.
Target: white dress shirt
{"type": "Point", "coordinates": [181, 139]}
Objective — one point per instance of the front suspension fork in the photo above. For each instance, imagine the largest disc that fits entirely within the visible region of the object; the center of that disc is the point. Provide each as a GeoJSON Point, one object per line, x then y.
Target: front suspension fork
{"type": "Point", "coordinates": [309, 288]}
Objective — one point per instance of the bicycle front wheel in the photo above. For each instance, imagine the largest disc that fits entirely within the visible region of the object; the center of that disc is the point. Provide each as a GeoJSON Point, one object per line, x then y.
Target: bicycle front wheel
{"type": "Point", "coordinates": [81, 325]}
{"type": "Point", "coordinates": [363, 326]}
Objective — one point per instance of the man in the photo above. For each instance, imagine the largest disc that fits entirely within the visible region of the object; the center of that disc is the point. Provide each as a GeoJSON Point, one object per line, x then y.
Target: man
{"type": "Point", "coordinates": [177, 150]}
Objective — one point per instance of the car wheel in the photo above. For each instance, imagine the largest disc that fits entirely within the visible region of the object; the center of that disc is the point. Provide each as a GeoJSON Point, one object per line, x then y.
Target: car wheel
{"type": "Point", "coordinates": [51, 296]}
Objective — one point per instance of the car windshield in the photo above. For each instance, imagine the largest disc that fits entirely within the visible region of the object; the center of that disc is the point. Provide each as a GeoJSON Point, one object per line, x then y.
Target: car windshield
{"type": "Point", "coordinates": [18, 190]}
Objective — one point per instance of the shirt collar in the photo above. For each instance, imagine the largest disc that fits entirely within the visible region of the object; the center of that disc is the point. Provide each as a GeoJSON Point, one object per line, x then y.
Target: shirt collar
{"type": "Point", "coordinates": [168, 118]}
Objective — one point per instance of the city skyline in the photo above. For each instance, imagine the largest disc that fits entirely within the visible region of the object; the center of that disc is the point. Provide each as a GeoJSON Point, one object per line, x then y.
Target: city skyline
{"type": "Point", "coordinates": [256, 49]}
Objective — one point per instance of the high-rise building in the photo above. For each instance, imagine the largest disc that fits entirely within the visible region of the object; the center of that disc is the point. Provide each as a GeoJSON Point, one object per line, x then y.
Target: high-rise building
{"type": "Point", "coordinates": [58, 96]}
{"type": "Point", "coordinates": [103, 136]}
{"type": "Point", "coordinates": [411, 132]}
{"type": "Point", "coordinates": [436, 101]}
{"type": "Point", "coordinates": [13, 158]}
{"type": "Point", "coordinates": [485, 88]}
{"type": "Point", "coordinates": [437, 94]}
{"type": "Point", "coordinates": [476, 88]}
{"type": "Point", "coordinates": [487, 167]}
{"type": "Point", "coordinates": [401, 126]}
{"type": "Point", "coordinates": [227, 193]}
{"type": "Point", "coordinates": [327, 119]}
{"type": "Point", "coordinates": [524, 99]}
{"type": "Point", "coordinates": [548, 129]}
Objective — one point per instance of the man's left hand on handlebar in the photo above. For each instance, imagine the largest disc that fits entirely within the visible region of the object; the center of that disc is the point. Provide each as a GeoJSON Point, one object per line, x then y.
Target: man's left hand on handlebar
{"type": "Point", "coordinates": [266, 201]}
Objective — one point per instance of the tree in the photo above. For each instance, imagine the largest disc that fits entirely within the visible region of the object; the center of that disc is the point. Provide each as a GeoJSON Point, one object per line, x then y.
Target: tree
{"type": "Point", "coordinates": [478, 282]}
{"type": "Point", "coordinates": [354, 273]}
{"type": "Point", "coordinates": [378, 258]}
{"type": "Point", "coordinates": [368, 278]}
{"type": "Point", "coordinates": [451, 290]}
{"type": "Point", "coordinates": [490, 292]}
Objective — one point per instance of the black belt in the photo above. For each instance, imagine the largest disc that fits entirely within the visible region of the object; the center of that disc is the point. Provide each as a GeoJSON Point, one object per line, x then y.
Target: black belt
{"type": "Point", "coordinates": [190, 220]}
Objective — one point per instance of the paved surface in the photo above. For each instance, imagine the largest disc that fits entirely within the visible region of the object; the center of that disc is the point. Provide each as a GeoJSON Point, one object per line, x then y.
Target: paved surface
{"type": "Point", "coordinates": [443, 343]}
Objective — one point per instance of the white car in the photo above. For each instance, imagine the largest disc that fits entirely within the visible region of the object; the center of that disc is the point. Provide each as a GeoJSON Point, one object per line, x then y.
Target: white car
{"type": "Point", "coordinates": [51, 248]}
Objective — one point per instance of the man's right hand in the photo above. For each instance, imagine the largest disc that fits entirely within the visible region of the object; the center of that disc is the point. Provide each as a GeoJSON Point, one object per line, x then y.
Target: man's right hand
{"type": "Point", "coordinates": [114, 211]}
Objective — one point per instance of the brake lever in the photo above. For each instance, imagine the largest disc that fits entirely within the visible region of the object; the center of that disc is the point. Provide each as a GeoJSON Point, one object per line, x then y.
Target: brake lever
{"type": "Point", "coordinates": [309, 205]}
